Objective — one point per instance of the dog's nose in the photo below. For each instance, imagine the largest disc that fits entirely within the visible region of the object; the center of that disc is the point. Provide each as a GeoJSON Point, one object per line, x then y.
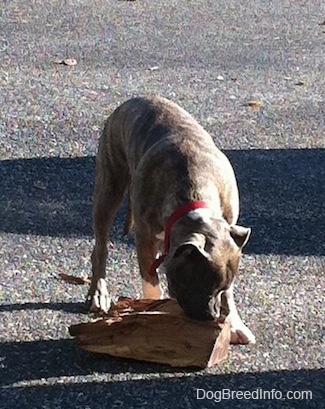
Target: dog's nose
{"type": "Point", "coordinates": [197, 312]}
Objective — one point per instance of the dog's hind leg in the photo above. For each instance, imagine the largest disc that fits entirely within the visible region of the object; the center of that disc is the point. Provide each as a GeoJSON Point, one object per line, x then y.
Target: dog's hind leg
{"type": "Point", "coordinates": [112, 178]}
{"type": "Point", "coordinates": [128, 224]}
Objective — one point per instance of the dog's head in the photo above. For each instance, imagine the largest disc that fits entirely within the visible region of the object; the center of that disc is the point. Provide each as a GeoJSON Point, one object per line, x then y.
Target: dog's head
{"type": "Point", "coordinates": [203, 265]}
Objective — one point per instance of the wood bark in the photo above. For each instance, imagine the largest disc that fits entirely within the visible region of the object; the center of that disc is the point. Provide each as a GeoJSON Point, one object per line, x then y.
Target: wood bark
{"type": "Point", "coordinates": [155, 331]}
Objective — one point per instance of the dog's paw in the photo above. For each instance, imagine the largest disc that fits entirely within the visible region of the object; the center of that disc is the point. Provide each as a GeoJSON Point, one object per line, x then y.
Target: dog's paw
{"type": "Point", "coordinates": [241, 334]}
{"type": "Point", "coordinates": [101, 300]}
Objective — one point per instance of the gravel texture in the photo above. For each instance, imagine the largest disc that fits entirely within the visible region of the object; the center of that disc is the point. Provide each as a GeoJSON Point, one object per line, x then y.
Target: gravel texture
{"type": "Point", "coordinates": [212, 57]}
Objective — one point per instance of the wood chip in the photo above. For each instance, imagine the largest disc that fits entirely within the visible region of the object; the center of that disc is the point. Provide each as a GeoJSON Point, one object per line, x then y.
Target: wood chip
{"type": "Point", "coordinates": [74, 279]}
{"type": "Point", "coordinates": [254, 104]}
{"type": "Point", "coordinates": [66, 61]}
{"type": "Point", "coordinates": [154, 68]}
{"type": "Point", "coordinates": [155, 331]}
{"type": "Point", "coordinates": [39, 185]}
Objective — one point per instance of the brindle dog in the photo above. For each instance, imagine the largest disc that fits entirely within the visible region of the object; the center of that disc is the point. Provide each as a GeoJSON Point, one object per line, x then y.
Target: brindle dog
{"type": "Point", "coordinates": [167, 162]}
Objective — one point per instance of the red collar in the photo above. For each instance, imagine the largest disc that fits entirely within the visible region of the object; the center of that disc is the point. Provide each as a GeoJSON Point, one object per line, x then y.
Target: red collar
{"type": "Point", "coordinates": [178, 213]}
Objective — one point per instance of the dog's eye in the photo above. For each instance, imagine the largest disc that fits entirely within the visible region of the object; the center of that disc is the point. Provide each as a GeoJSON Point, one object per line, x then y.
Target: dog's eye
{"type": "Point", "coordinates": [208, 246]}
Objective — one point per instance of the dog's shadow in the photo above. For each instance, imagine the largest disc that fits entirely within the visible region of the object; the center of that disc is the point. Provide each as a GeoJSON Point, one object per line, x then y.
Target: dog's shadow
{"type": "Point", "coordinates": [282, 194]}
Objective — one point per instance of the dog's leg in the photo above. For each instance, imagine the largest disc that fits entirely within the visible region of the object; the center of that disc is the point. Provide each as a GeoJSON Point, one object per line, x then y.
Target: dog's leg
{"type": "Point", "coordinates": [110, 184]}
{"type": "Point", "coordinates": [128, 224]}
{"type": "Point", "coordinates": [147, 249]}
{"type": "Point", "coordinates": [240, 333]}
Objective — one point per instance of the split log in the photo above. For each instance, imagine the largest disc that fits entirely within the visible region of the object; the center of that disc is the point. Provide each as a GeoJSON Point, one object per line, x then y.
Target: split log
{"type": "Point", "coordinates": [155, 331]}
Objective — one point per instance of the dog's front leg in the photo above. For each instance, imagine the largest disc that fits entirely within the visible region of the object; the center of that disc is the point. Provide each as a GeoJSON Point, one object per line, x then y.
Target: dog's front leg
{"type": "Point", "coordinates": [98, 298]}
{"type": "Point", "coordinates": [147, 249]}
{"type": "Point", "coordinates": [240, 333]}
{"type": "Point", "coordinates": [111, 181]}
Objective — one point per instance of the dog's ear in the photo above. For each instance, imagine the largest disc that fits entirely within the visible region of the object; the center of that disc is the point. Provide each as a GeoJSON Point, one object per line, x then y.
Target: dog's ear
{"type": "Point", "coordinates": [185, 250]}
{"type": "Point", "coordinates": [193, 247]}
{"type": "Point", "coordinates": [240, 235]}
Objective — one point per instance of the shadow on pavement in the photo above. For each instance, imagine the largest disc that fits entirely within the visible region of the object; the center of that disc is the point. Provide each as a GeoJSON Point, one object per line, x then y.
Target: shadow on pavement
{"type": "Point", "coordinates": [282, 194]}
{"type": "Point", "coordinates": [53, 358]}
{"type": "Point", "coordinates": [47, 196]}
{"type": "Point", "coordinates": [71, 307]}
{"type": "Point", "coordinates": [282, 197]}
{"type": "Point", "coordinates": [47, 361]}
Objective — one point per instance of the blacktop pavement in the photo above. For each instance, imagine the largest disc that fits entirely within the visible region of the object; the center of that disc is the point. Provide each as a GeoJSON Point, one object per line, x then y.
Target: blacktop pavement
{"type": "Point", "coordinates": [213, 58]}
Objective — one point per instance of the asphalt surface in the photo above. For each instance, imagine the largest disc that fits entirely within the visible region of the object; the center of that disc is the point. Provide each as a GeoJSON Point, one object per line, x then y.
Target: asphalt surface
{"type": "Point", "coordinates": [212, 58]}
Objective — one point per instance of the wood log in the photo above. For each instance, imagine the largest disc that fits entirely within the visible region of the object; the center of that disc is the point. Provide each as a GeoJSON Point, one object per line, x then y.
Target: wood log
{"type": "Point", "coordinates": [155, 331]}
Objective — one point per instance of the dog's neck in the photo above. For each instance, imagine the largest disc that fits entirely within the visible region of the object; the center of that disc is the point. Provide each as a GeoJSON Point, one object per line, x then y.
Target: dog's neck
{"type": "Point", "coordinates": [195, 210]}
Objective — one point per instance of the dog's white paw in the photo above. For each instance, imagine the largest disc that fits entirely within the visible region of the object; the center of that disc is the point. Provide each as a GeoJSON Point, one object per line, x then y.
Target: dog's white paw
{"type": "Point", "coordinates": [101, 300]}
{"type": "Point", "coordinates": [241, 334]}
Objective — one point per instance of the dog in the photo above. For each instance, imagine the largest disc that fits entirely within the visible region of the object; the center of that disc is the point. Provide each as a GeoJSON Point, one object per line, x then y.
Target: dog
{"type": "Point", "coordinates": [183, 204]}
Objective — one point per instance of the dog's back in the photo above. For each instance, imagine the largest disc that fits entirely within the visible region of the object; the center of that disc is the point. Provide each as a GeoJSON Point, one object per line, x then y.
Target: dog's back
{"type": "Point", "coordinates": [163, 146]}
